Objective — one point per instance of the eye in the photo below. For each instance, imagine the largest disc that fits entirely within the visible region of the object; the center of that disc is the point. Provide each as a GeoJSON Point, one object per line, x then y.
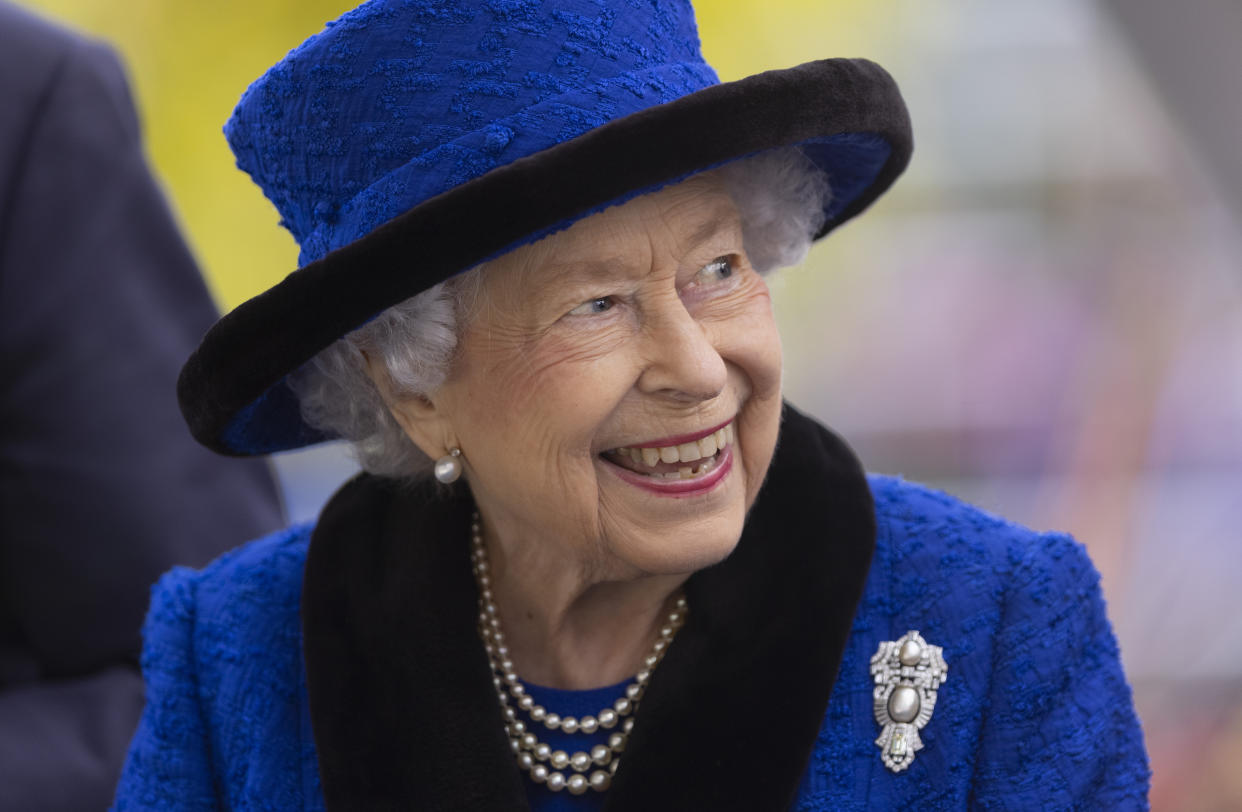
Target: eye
{"type": "Point", "coordinates": [594, 307]}
{"type": "Point", "coordinates": [718, 270]}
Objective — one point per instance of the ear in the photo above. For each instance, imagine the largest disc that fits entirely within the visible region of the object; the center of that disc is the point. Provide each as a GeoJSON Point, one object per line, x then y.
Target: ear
{"type": "Point", "coordinates": [424, 422]}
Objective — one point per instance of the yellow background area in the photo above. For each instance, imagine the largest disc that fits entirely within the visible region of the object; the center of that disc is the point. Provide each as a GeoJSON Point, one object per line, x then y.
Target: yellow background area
{"type": "Point", "coordinates": [190, 61]}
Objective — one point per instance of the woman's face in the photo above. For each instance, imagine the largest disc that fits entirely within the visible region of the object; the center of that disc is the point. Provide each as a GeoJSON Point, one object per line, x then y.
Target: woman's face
{"type": "Point", "coordinates": [617, 391]}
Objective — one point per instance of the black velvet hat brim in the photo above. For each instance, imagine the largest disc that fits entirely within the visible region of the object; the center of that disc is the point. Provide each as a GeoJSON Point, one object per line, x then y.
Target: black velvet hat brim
{"type": "Point", "coordinates": [846, 114]}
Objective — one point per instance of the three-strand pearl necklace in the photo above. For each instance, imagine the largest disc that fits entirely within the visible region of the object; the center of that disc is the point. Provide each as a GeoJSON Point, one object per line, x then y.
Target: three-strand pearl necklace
{"type": "Point", "coordinates": [586, 770]}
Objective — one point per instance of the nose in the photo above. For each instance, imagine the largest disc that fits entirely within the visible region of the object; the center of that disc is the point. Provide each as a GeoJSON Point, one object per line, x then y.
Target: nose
{"type": "Point", "coordinates": [683, 362]}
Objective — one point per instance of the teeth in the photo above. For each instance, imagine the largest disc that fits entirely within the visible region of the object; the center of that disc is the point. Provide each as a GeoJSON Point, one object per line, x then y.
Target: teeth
{"type": "Point", "coordinates": [702, 449]}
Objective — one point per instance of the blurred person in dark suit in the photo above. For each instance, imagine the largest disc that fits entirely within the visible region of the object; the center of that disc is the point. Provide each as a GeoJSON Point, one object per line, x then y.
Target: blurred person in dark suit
{"type": "Point", "coordinates": [101, 487]}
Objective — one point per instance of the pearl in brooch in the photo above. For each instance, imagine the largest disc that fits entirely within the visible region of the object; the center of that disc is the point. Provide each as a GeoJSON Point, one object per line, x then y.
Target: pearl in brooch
{"type": "Point", "coordinates": [908, 672]}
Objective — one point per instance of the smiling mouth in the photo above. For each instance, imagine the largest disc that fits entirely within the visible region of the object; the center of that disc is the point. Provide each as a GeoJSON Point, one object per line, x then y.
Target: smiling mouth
{"type": "Point", "coordinates": [688, 460]}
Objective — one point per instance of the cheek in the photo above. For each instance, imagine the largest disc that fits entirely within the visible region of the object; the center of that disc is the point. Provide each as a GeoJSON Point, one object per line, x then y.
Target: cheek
{"type": "Point", "coordinates": [761, 358]}
{"type": "Point", "coordinates": [751, 344]}
{"type": "Point", "coordinates": [549, 398]}
{"type": "Point", "coordinates": [582, 367]}
{"type": "Point", "coordinates": [745, 334]}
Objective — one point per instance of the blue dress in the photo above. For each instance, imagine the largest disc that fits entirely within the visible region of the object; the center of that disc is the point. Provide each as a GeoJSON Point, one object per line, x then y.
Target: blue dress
{"type": "Point", "coordinates": [377, 696]}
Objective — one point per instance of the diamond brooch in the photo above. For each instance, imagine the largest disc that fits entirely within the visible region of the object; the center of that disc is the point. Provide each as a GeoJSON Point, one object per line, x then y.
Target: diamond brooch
{"type": "Point", "coordinates": [907, 672]}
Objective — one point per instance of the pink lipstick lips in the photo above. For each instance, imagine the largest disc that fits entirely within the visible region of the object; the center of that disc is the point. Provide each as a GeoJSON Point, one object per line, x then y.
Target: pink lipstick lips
{"type": "Point", "coordinates": [680, 487]}
{"type": "Point", "coordinates": [681, 465]}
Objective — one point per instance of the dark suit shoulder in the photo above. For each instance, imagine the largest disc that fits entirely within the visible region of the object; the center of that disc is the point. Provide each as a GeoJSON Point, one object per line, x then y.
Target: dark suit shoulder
{"type": "Point", "coordinates": [35, 52]}
{"type": "Point", "coordinates": [34, 43]}
{"type": "Point", "coordinates": [59, 89]}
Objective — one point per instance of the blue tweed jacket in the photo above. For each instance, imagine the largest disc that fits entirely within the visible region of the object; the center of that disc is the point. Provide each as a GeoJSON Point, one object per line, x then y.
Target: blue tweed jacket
{"type": "Point", "coordinates": [376, 697]}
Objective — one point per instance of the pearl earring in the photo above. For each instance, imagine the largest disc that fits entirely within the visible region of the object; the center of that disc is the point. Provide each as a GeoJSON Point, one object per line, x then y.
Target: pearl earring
{"type": "Point", "coordinates": [448, 467]}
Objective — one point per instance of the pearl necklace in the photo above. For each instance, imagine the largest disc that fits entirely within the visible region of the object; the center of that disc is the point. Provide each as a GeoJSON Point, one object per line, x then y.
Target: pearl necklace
{"type": "Point", "coordinates": [533, 756]}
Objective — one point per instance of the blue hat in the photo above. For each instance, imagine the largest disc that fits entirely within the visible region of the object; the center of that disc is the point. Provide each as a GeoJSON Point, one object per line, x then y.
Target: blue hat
{"type": "Point", "coordinates": [411, 140]}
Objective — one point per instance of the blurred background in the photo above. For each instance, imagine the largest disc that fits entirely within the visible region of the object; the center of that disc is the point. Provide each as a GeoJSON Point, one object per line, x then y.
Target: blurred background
{"type": "Point", "coordinates": [1044, 317]}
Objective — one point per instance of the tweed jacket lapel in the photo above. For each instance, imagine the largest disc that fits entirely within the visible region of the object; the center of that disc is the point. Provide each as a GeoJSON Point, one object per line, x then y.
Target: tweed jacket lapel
{"type": "Point", "coordinates": [401, 699]}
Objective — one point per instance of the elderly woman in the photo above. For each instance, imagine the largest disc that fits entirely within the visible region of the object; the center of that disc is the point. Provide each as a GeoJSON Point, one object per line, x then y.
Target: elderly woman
{"type": "Point", "coordinates": [594, 561]}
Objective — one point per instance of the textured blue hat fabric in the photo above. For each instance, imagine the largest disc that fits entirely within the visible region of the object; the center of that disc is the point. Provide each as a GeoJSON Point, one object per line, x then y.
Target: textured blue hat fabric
{"type": "Point", "coordinates": [452, 132]}
{"type": "Point", "coordinates": [397, 102]}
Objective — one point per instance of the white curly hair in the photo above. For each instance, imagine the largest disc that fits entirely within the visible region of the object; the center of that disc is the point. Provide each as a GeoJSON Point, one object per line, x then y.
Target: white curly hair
{"type": "Point", "coordinates": [780, 196]}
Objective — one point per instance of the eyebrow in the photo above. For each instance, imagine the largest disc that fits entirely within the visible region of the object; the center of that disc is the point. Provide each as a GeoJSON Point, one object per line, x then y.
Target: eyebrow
{"type": "Point", "coordinates": [710, 227]}
{"type": "Point", "coordinates": [588, 270]}
{"type": "Point", "coordinates": [610, 267]}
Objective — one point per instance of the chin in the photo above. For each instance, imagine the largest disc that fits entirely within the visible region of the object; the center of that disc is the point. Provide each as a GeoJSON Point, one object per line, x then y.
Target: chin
{"type": "Point", "coordinates": [682, 547]}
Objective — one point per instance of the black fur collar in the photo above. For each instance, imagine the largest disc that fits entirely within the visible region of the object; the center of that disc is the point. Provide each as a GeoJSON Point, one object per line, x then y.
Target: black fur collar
{"type": "Point", "coordinates": [401, 698]}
